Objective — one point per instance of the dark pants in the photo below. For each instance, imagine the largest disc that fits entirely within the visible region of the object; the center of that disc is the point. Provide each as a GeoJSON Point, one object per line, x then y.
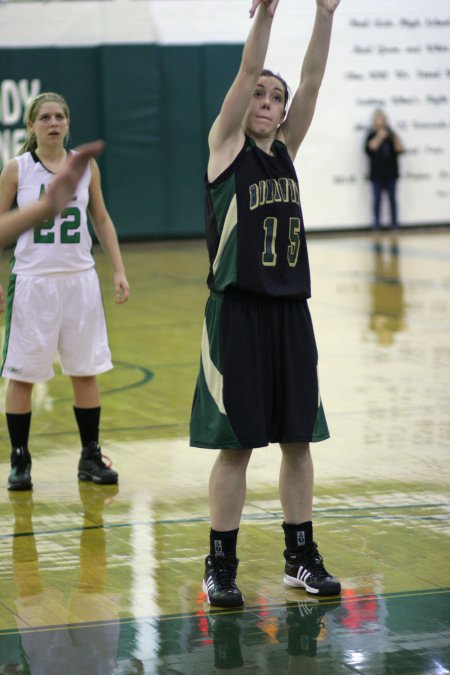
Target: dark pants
{"type": "Point", "coordinates": [378, 189]}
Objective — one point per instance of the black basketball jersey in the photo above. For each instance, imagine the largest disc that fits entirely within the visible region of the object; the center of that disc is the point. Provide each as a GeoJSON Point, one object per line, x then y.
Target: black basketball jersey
{"type": "Point", "coordinates": [254, 226]}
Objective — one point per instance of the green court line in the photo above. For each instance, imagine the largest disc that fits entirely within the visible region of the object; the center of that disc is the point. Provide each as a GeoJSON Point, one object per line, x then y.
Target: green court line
{"type": "Point", "coordinates": [245, 610]}
{"type": "Point", "coordinates": [147, 375]}
{"type": "Point", "coordinates": [252, 517]}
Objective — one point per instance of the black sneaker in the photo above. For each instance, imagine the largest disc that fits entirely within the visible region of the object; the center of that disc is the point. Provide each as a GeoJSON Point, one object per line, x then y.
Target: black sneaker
{"type": "Point", "coordinates": [92, 467]}
{"type": "Point", "coordinates": [219, 582]}
{"type": "Point", "coordinates": [20, 474]}
{"type": "Point", "coordinates": [224, 629]}
{"type": "Point", "coordinates": [305, 569]}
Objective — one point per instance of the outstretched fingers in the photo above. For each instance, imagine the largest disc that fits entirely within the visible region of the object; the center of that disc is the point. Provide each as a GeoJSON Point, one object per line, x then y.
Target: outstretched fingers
{"type": "Point", "coordinates": [78, 161]}
{"type": "Point", "coordinates": [61, 190]}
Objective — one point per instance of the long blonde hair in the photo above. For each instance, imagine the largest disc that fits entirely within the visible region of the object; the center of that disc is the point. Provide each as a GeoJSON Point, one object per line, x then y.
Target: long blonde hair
{"type": "Point", "coordinates": [30, 143]}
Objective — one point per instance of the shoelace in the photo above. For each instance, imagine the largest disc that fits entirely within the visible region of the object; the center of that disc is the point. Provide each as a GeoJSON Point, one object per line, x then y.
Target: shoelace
{"type": "Point", "coordinates": [98, 458]}
{"type": "Point", "coordinates": [315, 561]}
{"type": "Point", "coordinates": [109, 462]}
{"type": "Point", "coordinates": [225, 575]}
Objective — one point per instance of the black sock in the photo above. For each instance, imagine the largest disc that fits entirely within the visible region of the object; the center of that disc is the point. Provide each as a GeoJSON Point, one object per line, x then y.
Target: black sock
{"type": "Point", "coordinates": [19, 429]}
{"type": "Point", "coordinates": [297, 536]}
{"type": "Point", "coordinates": [88, 420]}
{"type": "Point", "coordinates": [223, 544]}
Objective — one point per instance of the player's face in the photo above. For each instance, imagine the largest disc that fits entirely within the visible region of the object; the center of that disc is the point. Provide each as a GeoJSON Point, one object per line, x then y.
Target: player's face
{"type": "Point", "coordinates": [50, 125]}
{"type": "Point", "coordinates": [266, 110]}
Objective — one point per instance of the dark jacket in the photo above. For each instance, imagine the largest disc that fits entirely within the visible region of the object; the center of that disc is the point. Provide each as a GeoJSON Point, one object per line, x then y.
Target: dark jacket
{"type": "Point", "coordinates": [383, 161]}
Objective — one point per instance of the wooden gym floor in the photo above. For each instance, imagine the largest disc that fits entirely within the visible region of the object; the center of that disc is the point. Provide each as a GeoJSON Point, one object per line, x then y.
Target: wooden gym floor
{"type": "Point", "coordinates": [107, 580]}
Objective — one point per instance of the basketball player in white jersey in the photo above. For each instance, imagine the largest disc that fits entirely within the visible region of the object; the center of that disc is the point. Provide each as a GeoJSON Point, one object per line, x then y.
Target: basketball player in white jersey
{"type": "Point", "coordinates": [54, 301]}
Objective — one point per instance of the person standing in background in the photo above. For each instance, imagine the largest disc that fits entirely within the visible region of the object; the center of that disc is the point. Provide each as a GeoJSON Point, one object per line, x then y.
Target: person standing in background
{"type": "Point", "coordinates": [54, 302]}
{"type": "Point", "coordinates": [383, 146]}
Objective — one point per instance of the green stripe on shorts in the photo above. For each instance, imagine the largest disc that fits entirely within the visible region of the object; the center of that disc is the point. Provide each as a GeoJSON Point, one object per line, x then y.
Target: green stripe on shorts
{"type": "Point", "coordinates": [320, 431]}
{"type": "Point", "coordinates": [9, 305]}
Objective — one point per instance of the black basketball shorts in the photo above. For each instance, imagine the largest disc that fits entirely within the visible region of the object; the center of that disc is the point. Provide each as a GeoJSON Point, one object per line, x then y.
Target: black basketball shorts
{"type": "Point", "coordinates": [258, 379]}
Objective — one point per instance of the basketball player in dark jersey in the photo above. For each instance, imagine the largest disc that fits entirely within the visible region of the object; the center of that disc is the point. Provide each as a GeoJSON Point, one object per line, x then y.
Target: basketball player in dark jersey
{"type": "Point", "coordinates": [258, 373]}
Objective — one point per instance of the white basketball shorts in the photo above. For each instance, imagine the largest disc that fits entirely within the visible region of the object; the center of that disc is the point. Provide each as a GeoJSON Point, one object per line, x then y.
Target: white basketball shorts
{"type": "Point", "coordinates": [55, 314]}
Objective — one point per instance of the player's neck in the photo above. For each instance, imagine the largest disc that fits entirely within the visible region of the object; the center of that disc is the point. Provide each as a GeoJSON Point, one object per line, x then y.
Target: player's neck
{"type": "Point", "coordinates": [264, 143]}
{"type": "Point", "coordinates": [51, 158]}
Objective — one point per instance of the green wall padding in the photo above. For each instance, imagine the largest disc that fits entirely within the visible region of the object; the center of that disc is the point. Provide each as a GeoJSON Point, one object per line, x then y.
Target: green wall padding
{"type": "Point", "coordinates": [153, 105]}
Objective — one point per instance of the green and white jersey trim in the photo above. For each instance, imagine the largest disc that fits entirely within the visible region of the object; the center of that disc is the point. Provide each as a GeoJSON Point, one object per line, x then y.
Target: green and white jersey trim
{"type": "Point", "coordinates": [224, 266]}
{"type": "Point", "coordinates": [213, 377]}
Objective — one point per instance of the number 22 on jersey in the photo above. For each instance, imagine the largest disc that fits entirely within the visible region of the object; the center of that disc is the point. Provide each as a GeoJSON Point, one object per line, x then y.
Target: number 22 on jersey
{"type": "Point", "coordinates": [69, 226]}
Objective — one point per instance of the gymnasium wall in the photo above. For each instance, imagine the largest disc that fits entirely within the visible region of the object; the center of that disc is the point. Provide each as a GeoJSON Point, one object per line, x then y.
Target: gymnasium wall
{"type": "Point", "coordinates": [148, 76]}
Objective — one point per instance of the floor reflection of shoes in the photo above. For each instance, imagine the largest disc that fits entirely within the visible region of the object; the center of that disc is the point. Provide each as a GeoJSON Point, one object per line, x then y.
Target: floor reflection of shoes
{"type": "Point", "coordinates": [305, 620]}
{"type": "Point", "coordinates": [22, 506]}
{"type": "Point", "coordinates": [224, 628]}
{"type": "Point", "coordinates": [95, 497]}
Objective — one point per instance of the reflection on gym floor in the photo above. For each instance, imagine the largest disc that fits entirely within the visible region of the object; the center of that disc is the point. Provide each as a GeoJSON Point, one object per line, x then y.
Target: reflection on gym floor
{"type": "Point", "coordinates": [388, 305]}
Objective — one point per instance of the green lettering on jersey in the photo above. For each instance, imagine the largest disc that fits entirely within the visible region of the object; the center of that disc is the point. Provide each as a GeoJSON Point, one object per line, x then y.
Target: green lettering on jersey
{"type": "Point", "coordinates": [70, 226]}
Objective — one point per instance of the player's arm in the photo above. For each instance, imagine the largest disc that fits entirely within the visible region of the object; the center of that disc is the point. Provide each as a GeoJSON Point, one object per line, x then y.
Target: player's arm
{"type": "Point", "coordinates": [14, 222]}
{"type": "Point", "coordinates": [303, 105]}
{"type": "Point", "coordinates": [8, 191]}
{"type": "Point", "coordinates": [226, 135]}
{"type": "Point", "coordinates": [107, 235]}
{"type": "Point", "coordinates": [8, 185]}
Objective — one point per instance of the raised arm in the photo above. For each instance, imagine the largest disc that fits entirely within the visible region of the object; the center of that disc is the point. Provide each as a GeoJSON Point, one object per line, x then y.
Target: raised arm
{"type": "Point", "coordinates": [226, 135]}
{"type": "Point", "coordinates": [301, 111]}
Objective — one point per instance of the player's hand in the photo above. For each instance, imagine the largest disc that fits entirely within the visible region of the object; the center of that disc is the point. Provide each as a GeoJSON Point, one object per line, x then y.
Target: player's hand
{"type": "Point", "coordinates": [328, 5]}
{"type": "Point", "coordinates": [2, 299]}
{"type": "Point", "coordinates": [62, 188]}
{"type": "Point", "coordinates": [121, 288]}
{"type": "Point", "coordinates": [271, 6]}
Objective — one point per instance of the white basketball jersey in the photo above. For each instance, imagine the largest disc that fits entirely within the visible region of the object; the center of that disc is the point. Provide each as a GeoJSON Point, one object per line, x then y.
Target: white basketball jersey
{"type": "Point", "coordinates": [61, 244]}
